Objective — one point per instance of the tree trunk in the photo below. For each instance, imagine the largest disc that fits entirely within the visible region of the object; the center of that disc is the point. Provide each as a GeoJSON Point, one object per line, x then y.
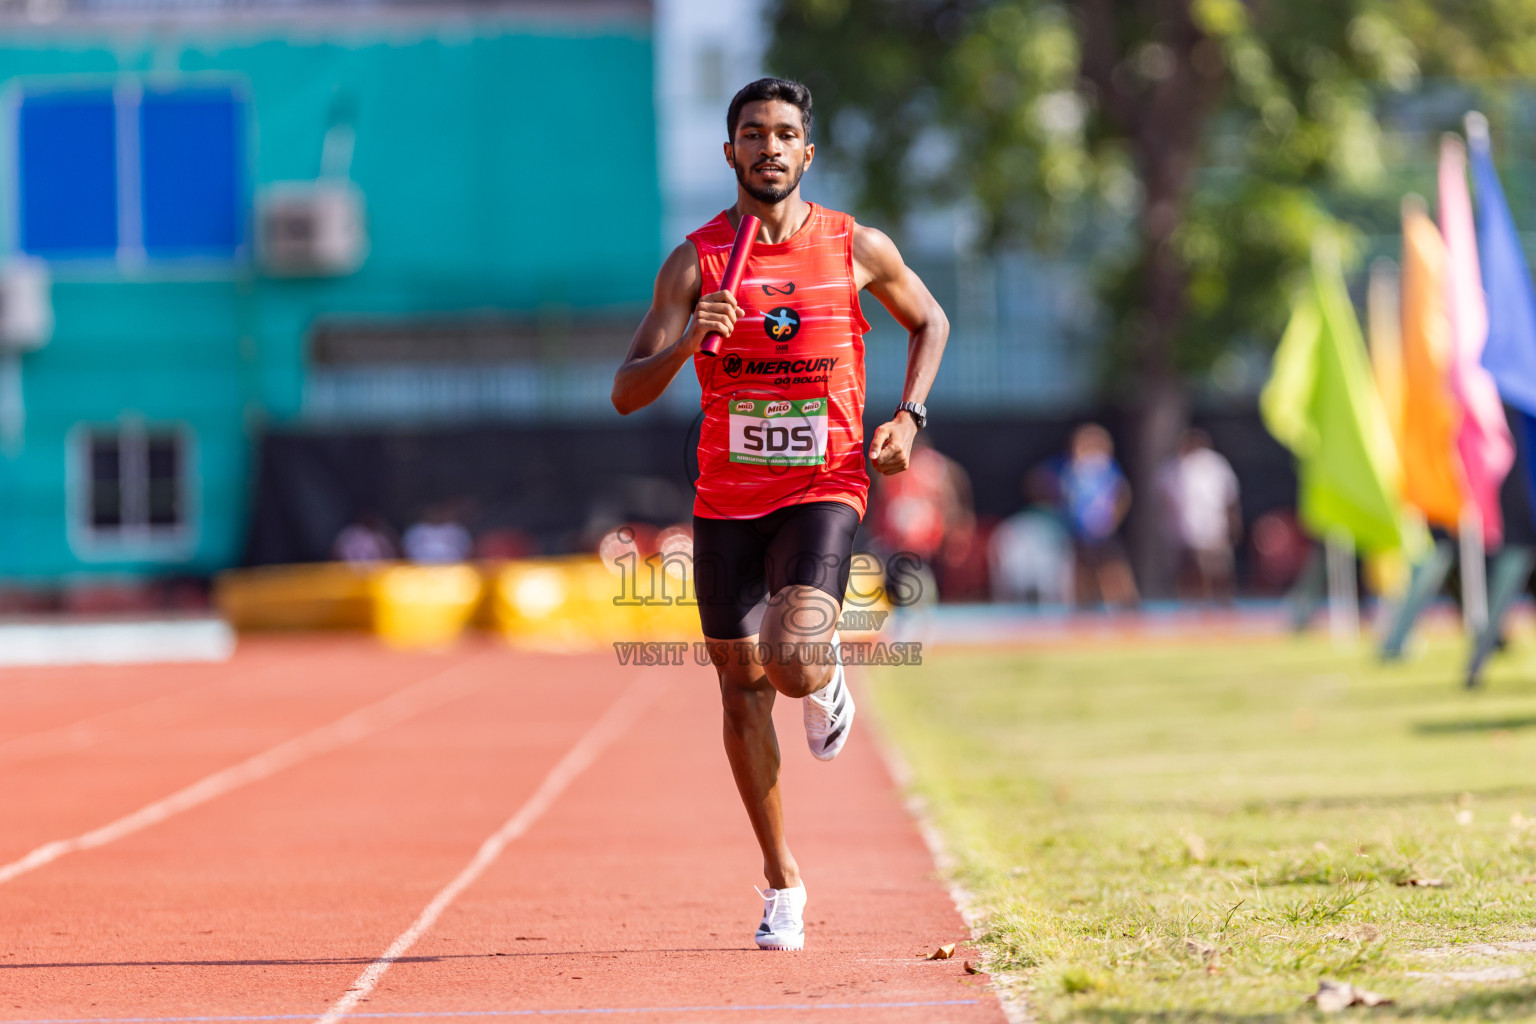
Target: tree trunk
{"type": "Point", "coordinates": [1159, 406]}
{"type": "Point", "coordinates": [1161, 100]}
{"type": "Point", "coordinates": [1160, 416]}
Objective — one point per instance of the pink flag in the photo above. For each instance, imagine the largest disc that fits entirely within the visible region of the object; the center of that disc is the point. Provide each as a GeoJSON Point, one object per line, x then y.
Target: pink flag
{"type": "Point", "coordinates": [1484, 443]}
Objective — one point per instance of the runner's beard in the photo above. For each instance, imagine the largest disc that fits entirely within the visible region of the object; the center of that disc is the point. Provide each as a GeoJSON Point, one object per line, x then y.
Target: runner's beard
{"type": "Point", "coordinates": [767, 193]}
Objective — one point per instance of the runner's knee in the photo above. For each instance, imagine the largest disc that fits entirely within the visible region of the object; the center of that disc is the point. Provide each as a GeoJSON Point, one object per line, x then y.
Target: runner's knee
{"type": "Point", "coordinates": [796, 677]}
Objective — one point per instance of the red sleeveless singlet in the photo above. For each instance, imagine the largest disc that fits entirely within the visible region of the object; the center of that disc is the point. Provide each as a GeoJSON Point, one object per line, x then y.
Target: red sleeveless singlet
{"type": "Point", "coordinates": [784, 400]}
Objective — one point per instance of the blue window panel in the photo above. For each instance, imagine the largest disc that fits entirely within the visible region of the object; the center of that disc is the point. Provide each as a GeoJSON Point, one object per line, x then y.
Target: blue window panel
{"type": "Point", "coordinates": [68, 175]}
{"type": "Point", "coordinates": [192, 154]}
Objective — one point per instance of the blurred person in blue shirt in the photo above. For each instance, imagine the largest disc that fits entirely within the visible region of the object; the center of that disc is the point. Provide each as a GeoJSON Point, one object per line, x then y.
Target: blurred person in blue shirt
{"type": "Point", "coordinates": [1095, 497]}
{"type": "Point", "coordinates": [438, 538]}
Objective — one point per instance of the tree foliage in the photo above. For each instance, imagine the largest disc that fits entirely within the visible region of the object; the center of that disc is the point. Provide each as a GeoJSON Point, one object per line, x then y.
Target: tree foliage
{"type": "Point", "coordinates": [1223, 131]}
{"type": "Point", "coordinates": [1197, 147]}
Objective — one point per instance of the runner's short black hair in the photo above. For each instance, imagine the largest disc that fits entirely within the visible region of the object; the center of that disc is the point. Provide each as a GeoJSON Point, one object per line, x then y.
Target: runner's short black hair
{"type": "Point", "coordinates": [769, 89]}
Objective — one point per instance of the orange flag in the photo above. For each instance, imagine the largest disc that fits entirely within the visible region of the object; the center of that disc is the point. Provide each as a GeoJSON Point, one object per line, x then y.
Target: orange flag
{"type": "Point", "coordinates": [1383, 308]}
{"type": "Point", "coordinates": [1432, 474]}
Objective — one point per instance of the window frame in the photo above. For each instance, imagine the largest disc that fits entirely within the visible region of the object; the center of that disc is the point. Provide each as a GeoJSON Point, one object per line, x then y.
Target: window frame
{"type": "Point", "coordinates": [131, 259]}
{"type": "Point", "coordinates": [132, 540]}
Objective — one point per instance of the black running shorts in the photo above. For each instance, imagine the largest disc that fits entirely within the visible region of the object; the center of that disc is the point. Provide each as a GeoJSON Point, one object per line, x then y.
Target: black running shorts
{"type": "Point", "coordinates": [739, 563]}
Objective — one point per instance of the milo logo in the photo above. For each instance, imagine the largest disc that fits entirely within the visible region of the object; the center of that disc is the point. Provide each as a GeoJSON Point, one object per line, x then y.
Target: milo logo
{"type": "Point", "coordinates": [778, 408]}
{"type": "Point", "coordinates": [745, 406]}
{"type": "Point", "coordinates": [811, 406]}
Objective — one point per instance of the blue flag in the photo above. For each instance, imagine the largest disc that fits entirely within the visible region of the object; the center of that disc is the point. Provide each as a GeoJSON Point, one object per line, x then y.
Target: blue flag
{"type": "Point", "coordinates": [1510, 354]}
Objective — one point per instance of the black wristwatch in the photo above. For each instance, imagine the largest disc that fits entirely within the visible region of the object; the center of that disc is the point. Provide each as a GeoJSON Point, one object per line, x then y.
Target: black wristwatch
{"type": "Point", "coordinates": [918, 410]}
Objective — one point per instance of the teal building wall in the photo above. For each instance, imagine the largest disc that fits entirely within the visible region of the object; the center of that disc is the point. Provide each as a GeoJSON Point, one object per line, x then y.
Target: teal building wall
{"type": "Point", "coordinates": [507, 167]}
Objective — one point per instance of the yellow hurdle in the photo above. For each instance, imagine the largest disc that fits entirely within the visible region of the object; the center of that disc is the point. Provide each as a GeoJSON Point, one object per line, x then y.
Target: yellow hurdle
{"type": "Point", "coordinates": [573, 603]}
{"type": "Point", "coordinates": [418, 606]}
{"type": "Point", "coordinates": [677, 620]}
{"type": "Point", "coordinates": [558, 604]}
{"type": "Point", "coordinates": [302, 597]}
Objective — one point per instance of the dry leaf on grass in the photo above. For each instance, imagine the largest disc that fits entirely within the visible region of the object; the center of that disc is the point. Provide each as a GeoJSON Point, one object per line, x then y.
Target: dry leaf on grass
{"type": "Point", "coordinates": [1333, 996]}
{"type": "Point", "coordinates": [1205, 951]}
{"type": "Point", "coordinates": [1421, 883]}
{"type": "Point", "coordinates": [1361, 933]}
{"type": "Point", "coordinates": [942, 953]}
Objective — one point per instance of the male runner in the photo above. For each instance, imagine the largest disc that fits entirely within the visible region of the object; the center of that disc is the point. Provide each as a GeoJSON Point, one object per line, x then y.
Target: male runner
{"type": "Point", "coordinates": [782, 484]}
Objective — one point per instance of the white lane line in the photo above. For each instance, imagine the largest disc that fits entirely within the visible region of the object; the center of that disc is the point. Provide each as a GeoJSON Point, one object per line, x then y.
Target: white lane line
{"type": "Point", "coordinates": [88, 731]}
{"type": "Point", "coordinates": [84, 733]}
{"type": "Point", "coordinates": [404, 704]}
{"type": "Point", "coordinates": [1007, 986]}
{"type": "Point", "coordinates": [619, 717]}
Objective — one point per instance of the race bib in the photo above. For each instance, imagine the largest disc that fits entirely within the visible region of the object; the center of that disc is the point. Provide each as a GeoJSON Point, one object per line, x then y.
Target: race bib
{"type": "Point", "coordinates": [779, 432]}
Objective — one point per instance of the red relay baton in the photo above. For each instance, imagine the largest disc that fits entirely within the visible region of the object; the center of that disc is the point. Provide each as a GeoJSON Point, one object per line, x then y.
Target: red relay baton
{"type": "Point", "coordinates": [735, 270]}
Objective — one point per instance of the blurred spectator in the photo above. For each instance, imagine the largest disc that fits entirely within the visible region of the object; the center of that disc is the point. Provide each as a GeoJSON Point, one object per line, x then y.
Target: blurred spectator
{"type": "Point", "coordinates": [962, 565]}
{"type": "Point", "coordinates": [438, 539]}
{"type": "Point", "coordinates": [1031, 551]}
{"type": "Point", "coordinates": [676, 543]}
{"type": "Point", "coordinates": [503, 543]}
{"type": "Point", "coordinates": [622, 542]}
{"type": "Point", "coordinates": [909, 515]}
{"type": "Point", "coordinates": [1200, 490]}
{"type": "Point", "coordinates": [1096, 496]}
{"type": "Point", "coordinates": [368, 539]}
{"type": "Point", "coordinates": [675, 546]}
{"type": "Point", "coordinates": [927, 511]}
{"type": "Point", "coordinates": [965, 568]}
{"type": "Point", "coordinates": [1280, 550]}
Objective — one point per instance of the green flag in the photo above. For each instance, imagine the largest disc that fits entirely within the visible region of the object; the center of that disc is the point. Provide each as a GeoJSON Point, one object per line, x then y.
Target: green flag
{"type": "Point", "coordinates": [1321, 403]}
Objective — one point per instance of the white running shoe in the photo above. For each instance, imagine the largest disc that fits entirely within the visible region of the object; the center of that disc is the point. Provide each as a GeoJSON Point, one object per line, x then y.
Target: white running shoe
{"type": "Point", "coordinates": [783, 924]}
{"type": "Point", "coordinates": [829, 713]}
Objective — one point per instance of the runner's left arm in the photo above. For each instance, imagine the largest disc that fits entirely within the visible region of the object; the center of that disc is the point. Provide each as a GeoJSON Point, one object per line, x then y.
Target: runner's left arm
{"type": "Point", "coordinates": [878, 266]}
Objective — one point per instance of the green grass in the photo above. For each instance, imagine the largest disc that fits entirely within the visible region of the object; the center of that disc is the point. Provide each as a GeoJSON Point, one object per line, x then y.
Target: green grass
{"type": "Point", "coordinates": [1200, 832]}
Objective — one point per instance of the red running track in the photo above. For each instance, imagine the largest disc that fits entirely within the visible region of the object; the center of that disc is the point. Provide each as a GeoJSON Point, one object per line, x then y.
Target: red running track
{"type": "Point", "coordinates": [267, 891]}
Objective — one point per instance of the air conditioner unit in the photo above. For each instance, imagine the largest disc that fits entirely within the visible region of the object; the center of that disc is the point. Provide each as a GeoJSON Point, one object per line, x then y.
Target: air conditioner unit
{"type": "Point", "coordinates": [26, 305]}
{"type": "Point", "coordinates": [311, 229]}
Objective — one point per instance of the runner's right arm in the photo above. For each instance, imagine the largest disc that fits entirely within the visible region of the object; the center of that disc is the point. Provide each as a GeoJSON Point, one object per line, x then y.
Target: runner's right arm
{"type": "Point", "coordinates": [667, 337]}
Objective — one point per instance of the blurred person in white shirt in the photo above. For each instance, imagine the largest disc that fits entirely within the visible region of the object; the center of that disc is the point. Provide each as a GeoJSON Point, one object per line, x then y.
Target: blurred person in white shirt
{"type": "Point", "coordinates": [1201, 492]}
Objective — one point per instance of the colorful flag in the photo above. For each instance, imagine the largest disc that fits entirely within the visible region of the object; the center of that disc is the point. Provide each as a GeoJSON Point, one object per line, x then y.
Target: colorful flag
{"type": "Point", "coordinates": [1510, 354]}
{"type": "Point", "coordinates": [1432, 480]}
{"type": "Point", "coordinates": [1388, 573]}
{"type": "Point", "coordinates": [1483, 440]}
{"type": "Point", "coordinates": [1320, 403]}
{"type": "Point", "coordinates": [1383, 327]}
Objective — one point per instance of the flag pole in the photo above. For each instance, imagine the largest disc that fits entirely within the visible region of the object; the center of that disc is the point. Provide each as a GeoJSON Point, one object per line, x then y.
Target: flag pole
{"type": "Point", "coordinates": [1474, 572]}
{"type": "Point", "coordinates": [1477, 126]}
{"type": "Point", "coordinates": [1343, 591]}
